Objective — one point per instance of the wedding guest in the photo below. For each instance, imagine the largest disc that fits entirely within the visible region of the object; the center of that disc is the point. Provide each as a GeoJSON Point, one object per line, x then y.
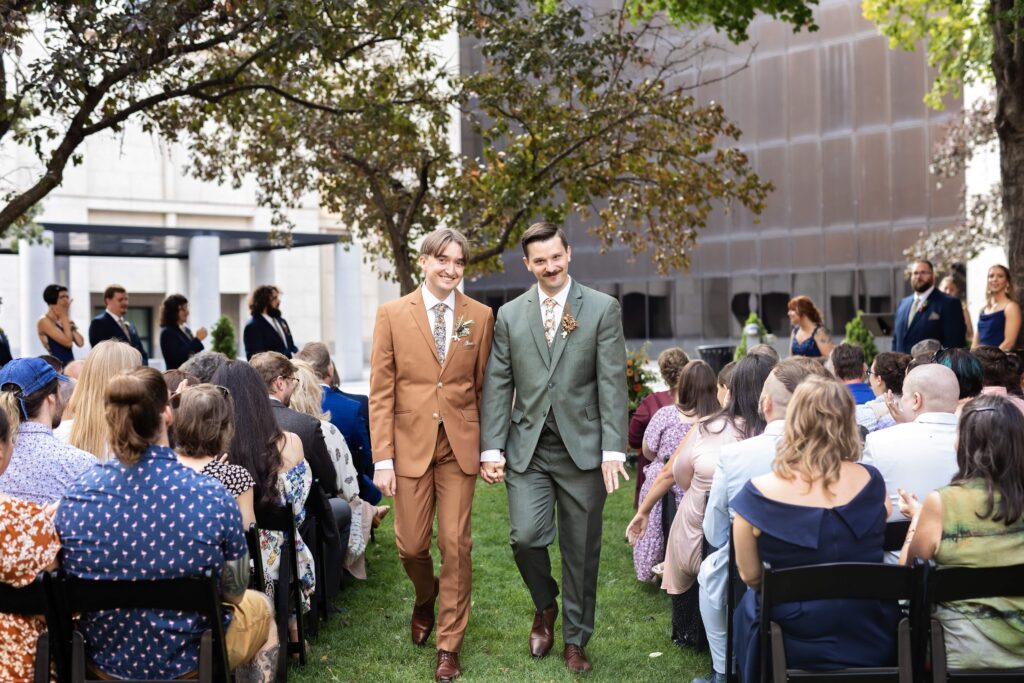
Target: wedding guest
{"type": "Point", "coordinates": [30, 545]}
{"type": "Point", "coordinates": [809, 336]}
{"type": "Point", "coordinates": [177, 342]}
{"type": "Point", "coordinates": [978, 521]}
{"type": "Point", "coordinates": [999, 374]}
{"type": "Point", "coordinates": [886, 374]}
{"type": "Point", "coordinates": [307, 399]}
{"type": "Point", "coordinates": [266, 330]}
{"type": "Point", "coordinates": [951, 287]}
{"type": "Point", "coordinates": [56, 330]}
{"type": "Point", "coordinates": [969, 373]}
{"type": "Point", "coordinates": [780, 520]}
{"type": "Point", "coordinates": [928, 313]}
{"type": "Point", "coordinates": [724, 378]}
{"type": "Point", "coordinates": [849, 368]}
{"type": "Point", "coordinates": [65, 390]}
{"type": "Point", "coordinates": [111, 323]}
{"type": "Point", "coordinates": [107, 359]}
{"type": "Point", "coordinates": [999, 320]}
{"type": "Point", "coordinates": [926, 348]}
{"type": "Point", "coordinates": [204, 365]}
{"type": "Point", "coordinates": [203, 428]}
{"type": "Point", "coordinates": [765, 350]}
{"type": "Point", "coordinates": [179, 380]}
{"type": "Point", "coordinates": [695, 400]}
{"type": "Point", "coordinates": [670, 364]}
{"type": "Point", "coordinates": [42, 468]}
{"type": "Point", "coordinates": [5, 345]}
{"type": "Point", "coordinates": [207, 535]}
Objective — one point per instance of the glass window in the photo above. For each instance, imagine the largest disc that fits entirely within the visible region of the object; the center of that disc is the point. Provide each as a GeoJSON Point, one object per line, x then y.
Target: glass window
{"type": "Point", "coordinates": [775, 296]}
{"type": "Point", "coordinates": [142, 318]}
{"type": "Point", "coordinates": [841, 309]}
{"type": "Point", "coordinates": [634, 314]}
{"type": "Point", "coordinates": [659, 310]}
{"type": "Point", "coordinates": [745, 291]}
{"type": "Point", "coordinates": [715, 290]}
{"type": "Point", "coordinates": [875, 291]}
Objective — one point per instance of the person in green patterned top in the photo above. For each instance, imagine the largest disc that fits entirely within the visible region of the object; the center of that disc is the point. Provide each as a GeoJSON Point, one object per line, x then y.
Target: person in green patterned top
{"type": "Point", "coordinates": [978, 521]}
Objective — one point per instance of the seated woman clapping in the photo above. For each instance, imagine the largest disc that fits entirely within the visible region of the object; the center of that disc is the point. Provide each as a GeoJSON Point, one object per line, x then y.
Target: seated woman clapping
{"type": "Point", "coordinates": [142, 516]}
{"type": "Point", "coordinates": [817, 506]}
{"type": "Point", "coordinates": [978, 521]}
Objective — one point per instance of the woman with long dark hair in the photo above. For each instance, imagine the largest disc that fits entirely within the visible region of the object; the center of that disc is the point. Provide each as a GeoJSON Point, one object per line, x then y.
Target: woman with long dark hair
{"type": "Point", "coordinates": [177, 343]}
{"type": "Point", "coordinates": [274, 459]}
{"type": "Point", "coordinates": [978, 521]}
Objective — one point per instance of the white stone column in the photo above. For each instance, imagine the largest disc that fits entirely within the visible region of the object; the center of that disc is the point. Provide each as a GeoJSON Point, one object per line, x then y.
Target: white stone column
{"type": "Point", "coordinates": [35, 271]}
{"type": "Point", "coordinates": [81, 308]}
{"type": "Point", "coordinates": [204, 280]}
{"type": "Point", "coordinates": [348, 311]}
{"type": "Point", "coordinates": [263, 272]}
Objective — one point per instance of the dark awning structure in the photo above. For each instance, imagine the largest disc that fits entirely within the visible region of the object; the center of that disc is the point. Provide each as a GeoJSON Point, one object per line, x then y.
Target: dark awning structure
{"type": "Point", "coordinates": [77, 239]}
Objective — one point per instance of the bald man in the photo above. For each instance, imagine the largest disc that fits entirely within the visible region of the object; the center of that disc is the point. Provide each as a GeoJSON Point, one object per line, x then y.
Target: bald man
{"type": "Point", "coordinates": [919, 455]}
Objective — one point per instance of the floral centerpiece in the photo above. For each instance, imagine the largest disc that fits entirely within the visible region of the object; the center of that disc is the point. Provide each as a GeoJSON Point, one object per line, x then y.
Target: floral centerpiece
{"type": "Point", "coordinates": [638, 376]}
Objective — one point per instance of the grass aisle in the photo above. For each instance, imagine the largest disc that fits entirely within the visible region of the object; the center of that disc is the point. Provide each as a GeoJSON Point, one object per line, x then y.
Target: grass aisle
{"type": "Point", "coordinates": [370, 642]}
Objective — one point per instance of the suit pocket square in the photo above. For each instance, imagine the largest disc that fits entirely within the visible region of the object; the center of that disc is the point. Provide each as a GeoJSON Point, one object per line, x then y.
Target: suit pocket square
{"type": "Point", "coordinates": [934, 316]}
{"type": "Point", "coordinates": [468, 345]}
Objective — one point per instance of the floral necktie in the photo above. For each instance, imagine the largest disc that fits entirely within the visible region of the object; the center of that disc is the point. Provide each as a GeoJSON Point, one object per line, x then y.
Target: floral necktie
{"type": "Point", "coordinates": [549, 320]}
{"type": "Point", "coordinates": [439, 335]}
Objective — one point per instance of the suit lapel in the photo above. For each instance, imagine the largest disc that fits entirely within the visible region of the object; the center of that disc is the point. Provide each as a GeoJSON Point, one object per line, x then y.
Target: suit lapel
{"type": "Point", "coordinates": [536, 324]}
{"type": "Point", "coordinates": [117, 326]}
{"type": "Point", "coordinates": [573, 306]}
{"type": "Point", "coordinates": [461, 311]}
{"type": "Point", "coordinates": [418, 311]}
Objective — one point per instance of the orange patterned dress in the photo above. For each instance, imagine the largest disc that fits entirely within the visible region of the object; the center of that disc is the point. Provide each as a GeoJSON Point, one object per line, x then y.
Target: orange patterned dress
{"type": "Point", "coordinates": [28, 545]}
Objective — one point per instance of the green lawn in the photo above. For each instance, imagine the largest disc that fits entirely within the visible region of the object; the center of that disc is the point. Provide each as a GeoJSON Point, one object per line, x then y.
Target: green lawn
{"type": "Point", "coordinates": [370, 642]}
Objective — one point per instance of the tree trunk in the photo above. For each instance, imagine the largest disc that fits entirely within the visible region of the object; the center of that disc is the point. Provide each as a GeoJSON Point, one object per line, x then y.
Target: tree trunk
{"type": "Point", "coordinates": [404, 273]}
{"type": "Point", "coordinates": [1008, 68]}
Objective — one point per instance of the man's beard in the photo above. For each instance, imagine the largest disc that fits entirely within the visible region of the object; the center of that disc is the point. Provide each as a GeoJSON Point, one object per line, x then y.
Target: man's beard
{"type": "Point", "coordinates": [922, 287]}
{"type": "Point", "coordinates": [273, 312]}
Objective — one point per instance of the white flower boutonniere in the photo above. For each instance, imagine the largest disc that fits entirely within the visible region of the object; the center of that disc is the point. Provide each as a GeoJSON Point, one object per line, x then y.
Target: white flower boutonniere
{"type": "Point", "coordinates": [461, 328]}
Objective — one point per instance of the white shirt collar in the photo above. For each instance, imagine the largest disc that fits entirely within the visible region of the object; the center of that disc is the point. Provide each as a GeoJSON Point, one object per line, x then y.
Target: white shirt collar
{"type": "Point", "coordinates": [775, 428]}
{"type": "Point", "coordinates": [925, 294]}
{"type": "Point", "coordinates": [115, 316]}
{"type": "Point", "coordinates": [429, 300]}
{"type": "Point", "coordinates": [937, 418]}
{"type": "Point", "coordinates": [560, 297]}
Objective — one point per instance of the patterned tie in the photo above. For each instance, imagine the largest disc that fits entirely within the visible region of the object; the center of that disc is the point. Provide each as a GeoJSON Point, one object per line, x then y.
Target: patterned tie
{"type": "Point", "coordinates": [439, 332]}
{"type": "Point", "coordinates": [549, 320]}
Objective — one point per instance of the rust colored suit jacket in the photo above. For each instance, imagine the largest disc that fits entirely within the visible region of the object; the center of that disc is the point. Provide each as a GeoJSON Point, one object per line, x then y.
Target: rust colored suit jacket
{"type": "Point", "coordinates": [410, 389]}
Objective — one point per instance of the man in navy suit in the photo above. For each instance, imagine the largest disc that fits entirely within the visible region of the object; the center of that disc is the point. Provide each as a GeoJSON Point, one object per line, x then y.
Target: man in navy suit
{"type": "Point", "coordinates": [928, 313]}
{"type": "Point", "coordinates": [5, 346]}
{"type": "Point", "coordinates": [348, 414]}
{"type": "Point", "coordinates": [266, 329]}
{"type": "Point", "coordinates": [111, 323]}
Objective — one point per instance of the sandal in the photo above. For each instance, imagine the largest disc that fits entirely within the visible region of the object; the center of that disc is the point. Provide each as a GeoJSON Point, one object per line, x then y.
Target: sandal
{"type": "Point", "coordinates": [380, 513]}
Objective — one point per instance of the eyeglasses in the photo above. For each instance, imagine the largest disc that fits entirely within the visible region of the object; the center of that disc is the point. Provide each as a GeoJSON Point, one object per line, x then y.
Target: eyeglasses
{"type": "Point", "coordinates": [293, 378]}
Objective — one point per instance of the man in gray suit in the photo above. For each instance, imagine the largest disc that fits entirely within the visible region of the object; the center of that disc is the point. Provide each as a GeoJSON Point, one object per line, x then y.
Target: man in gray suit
{"type": "Point", "coordinates": [555, 402]}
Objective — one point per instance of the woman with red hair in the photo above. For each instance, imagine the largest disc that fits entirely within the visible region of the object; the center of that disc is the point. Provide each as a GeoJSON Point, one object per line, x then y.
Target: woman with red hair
{"type": "Point", "coordinates": [809, 337]}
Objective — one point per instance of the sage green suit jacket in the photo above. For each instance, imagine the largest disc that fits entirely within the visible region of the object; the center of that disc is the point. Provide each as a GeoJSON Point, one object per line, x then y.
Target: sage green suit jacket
{"type": "Point", "coordinates": [582, 377]}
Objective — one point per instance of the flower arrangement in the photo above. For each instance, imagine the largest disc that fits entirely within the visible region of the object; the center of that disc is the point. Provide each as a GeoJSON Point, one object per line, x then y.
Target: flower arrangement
{"type": "Point", "coordinates": [638, 377]}
{"type": "Point", "coordinates": [461, 328]}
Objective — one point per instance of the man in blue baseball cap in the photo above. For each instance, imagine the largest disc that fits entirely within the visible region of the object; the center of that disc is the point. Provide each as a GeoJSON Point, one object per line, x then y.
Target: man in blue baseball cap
{"type": "Point", "coordinates": [41, 467]}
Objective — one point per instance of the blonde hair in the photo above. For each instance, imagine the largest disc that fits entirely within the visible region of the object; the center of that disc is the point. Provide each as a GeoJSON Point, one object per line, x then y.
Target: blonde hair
{"type": "Point", "coordinates": [89, 431]}
{"type": "Point", "coordinates": [308, 395]}
{"type": "Point", "coordinates": [1011, 293]}
{"type": "Point", "coordinates": [820, 433]}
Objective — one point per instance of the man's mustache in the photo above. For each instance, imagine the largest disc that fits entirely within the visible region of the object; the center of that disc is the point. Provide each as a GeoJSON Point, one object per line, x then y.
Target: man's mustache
{"type": "Point", "coordinates": [549, 273]}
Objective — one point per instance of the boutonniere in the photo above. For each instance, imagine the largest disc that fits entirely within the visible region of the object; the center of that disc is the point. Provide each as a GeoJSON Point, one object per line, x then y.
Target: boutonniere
{"type": "Point", "coordinates": [568, 323]}
{"type": "Point", "coordinates": [461, 328]}
{"type": "Point", "coordinates": [924, 305]}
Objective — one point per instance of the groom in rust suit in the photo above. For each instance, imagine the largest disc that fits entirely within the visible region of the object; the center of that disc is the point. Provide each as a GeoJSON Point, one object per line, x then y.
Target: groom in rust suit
{"type": "Point", "coordinates": [430, 349]}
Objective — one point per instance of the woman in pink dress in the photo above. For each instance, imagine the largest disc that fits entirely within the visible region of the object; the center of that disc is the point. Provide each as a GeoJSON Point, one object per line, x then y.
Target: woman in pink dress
{"type": "Point", "coordinates": [695, 399]}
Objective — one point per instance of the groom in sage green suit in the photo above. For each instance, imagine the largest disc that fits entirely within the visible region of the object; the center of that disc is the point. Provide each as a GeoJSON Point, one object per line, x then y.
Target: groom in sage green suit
{"type": "Point", "coordinates": [555, 403]}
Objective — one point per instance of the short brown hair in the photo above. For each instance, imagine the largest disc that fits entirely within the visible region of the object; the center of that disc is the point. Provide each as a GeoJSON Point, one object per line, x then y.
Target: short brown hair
{"type": "Point", "coordinates": [848, 361]}
{"type": "Point", "coordinates": [436, 242]}
{"type": "Point", "coordinates": [318, 357]}
{"type": "Point", "coordinates": [670, 363]}
{"type": "Point", "coordinates": [113, 290]}
{"type": "Point", "coordinates": [805, 307]}
{"type": "Point", "coordinates": [542, 232]}
{"type": "Point", "coordinates": [204, 420]}
{"type": "Point", "coordinates": [260, 298]}
{"type": "Point", "coordinates": [270, 365]}
{"type": "Point", "coordinates": [891, 368]}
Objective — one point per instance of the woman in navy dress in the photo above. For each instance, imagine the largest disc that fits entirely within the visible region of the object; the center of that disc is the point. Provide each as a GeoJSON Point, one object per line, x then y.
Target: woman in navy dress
{"type": "Point", "coordinates": [57, 332]}
{"type": "Point", "coordinates": [999, 322]}
{"type": "Point", "coordinates": [817, 506]}
{"type": "Point", "coordinates": [809, 337]}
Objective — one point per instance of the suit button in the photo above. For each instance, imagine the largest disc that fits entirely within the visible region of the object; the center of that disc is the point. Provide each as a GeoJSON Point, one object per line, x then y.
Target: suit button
{"type": "Point", "coordinates": [434, 416]}
{"type": "Point", "coordinates": [439, 385]}
{"type": "Point", "coordinates": [551, 385]}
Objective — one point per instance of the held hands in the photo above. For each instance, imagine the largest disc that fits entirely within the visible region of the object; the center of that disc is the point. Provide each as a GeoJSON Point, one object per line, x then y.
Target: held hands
{"type": "Point", "coordinates": [493, 472]}
{"type": "Point", "coordinates": [201, 333]}
{"type": "Point", "coordinates": [384, 480]}
{"type": "Point", "coordinates": [637, 528]}
{"type": "Point", "coordinates": [611, 471]}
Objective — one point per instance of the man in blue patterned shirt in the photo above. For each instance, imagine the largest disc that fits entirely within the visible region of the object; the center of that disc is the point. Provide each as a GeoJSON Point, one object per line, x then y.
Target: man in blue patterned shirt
{"type": "Point", "coordinates": [145, 516]}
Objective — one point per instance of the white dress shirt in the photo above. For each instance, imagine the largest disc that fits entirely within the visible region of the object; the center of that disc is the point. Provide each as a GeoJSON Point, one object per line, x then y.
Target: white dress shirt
{"type": "Point", "coordinates": [120, 321]}
{"type": "Point", "coordinates": [429, 301]}
{"type": "Point", "coordinates": [560, 297]}
{"type": "Point", "coordinates": [277, 326]}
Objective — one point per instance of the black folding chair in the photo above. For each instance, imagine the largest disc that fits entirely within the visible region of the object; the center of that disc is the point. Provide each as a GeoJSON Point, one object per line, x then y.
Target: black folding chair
{"type": "Point", "coordinates": [33, 600]}
{"type": "Point", "coordinates": [288, 594]}
{"type": "Point", "coordinates": [949, 584]}
{"type": "Point", "coordinates": [734, 592]}
{"type": "Point", "coordinates": [895, 535]}
{"type": "Point", "coordinates": [199, 595]}
{"type": "Point", "coordinates": [258, 578]}
{"type": "Point", "coordinates": [849, 580]}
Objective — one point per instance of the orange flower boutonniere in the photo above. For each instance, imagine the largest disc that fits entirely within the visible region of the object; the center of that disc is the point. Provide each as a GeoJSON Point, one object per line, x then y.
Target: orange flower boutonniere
{"type": "Point", "coordinates": [568, 323]}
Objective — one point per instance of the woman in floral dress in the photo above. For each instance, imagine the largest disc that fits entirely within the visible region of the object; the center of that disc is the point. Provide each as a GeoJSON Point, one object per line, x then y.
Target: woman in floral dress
{"type": "Point", "coordinates": [695, 399]}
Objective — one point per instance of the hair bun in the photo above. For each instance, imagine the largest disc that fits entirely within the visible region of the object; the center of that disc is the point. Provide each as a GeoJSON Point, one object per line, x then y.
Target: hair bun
{"type": "Point", "coordinates": [124, 389]}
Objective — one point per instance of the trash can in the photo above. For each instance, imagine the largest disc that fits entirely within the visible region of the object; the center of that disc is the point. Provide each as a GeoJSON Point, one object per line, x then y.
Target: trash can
{"type": "Point", "coordinates": [716, 356]}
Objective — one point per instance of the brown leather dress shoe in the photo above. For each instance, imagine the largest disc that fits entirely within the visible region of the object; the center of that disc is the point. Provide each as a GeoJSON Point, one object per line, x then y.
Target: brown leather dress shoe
{"type": "Point", "coordinates": [542, 635]}
{"type": "Point", "coordinates": [576, 659]}
{"type": "Point", "coordinates": [423, 618]}
{"type": "Point", "coordinates": [448, 667]}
